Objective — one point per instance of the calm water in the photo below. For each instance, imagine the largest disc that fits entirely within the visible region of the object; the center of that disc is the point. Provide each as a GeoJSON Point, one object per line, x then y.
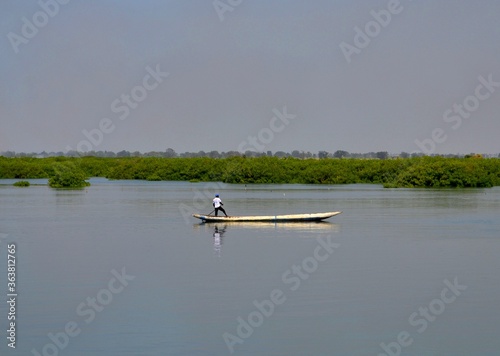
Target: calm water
{"type": "Point", "coordinates": [125, 271]}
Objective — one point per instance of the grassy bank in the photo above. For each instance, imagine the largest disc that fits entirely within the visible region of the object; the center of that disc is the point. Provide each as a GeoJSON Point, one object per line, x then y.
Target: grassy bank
{"type": "Point", "coordinates": [409, 172]}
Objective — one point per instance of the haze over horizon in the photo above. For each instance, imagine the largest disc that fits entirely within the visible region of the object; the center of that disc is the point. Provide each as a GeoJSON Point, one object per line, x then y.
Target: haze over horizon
{"type": "Point", "coordinates": [359, 76]}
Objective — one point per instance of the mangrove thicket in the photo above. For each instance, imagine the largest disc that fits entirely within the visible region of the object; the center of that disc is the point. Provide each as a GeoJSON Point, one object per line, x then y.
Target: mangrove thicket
{"type": "Point", "coordinates": [429, 172]}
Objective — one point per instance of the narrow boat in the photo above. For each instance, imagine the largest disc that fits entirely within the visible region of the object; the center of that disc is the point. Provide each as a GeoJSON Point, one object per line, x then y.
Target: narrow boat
{"type": "Point", "coordinates": [271, 218]}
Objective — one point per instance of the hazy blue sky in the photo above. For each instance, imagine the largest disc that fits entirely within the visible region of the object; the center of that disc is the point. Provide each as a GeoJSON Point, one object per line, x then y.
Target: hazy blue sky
{"type": "Point", "coordinates": [355, 75]}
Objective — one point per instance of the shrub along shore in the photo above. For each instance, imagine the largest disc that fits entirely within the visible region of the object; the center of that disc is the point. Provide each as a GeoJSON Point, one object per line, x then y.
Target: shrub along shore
{"type": "Point", "coordinates": [429, 172]}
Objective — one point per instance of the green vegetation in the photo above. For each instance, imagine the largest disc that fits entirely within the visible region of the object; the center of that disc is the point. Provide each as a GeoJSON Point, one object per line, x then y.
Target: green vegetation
{"type": "Point", "coordinates": [21, 183]}
{"type": "Point", "coordinates": [67, 175]}
{"type": "Point", "coordinates": [428, 172]}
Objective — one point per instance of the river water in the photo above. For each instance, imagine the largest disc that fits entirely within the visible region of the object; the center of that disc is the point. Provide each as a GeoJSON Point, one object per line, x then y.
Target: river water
{"type": "Point", "coordinates": [121, 268]}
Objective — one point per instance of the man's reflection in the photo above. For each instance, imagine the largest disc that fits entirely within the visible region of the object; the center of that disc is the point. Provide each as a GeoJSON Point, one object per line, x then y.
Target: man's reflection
{"type": "Point", "coordinates": [218, 233]}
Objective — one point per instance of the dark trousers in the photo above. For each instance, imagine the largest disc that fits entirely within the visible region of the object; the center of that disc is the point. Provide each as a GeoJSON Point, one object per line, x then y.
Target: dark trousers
{"type": "Point", "coordinates": [221, 209]}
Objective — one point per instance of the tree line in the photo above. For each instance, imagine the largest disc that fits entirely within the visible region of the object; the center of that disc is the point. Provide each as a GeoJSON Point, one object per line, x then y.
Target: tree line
{"type": "Point", "coordinates": [171, 153]}
{"type": "Point", "coordinates": [429, 172]}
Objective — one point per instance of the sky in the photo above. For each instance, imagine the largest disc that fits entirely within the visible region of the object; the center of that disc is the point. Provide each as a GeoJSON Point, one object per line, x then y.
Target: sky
{"type": "Point", "coordinates": [258, 75]}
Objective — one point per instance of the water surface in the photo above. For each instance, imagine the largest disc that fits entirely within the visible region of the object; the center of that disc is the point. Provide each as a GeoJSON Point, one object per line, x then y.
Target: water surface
{"type": "Point", "coordinates": [186, 284]}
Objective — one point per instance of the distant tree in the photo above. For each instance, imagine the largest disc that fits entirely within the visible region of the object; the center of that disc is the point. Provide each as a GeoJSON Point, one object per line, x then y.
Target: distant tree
{"type": "Point", "coordinates": [123, 154]}
{"type": "Point", "coordinates": [233, 154]}
{"type": "Point", "coordinates": [404, 155]}
{"type": "Point", "coordinates": [170, 153]}
{"type": "Point", "coordinates": [281, 154]}
{"type": "Point", "coordinates": [341, 154]}
{"type": "Point", "coordinates": [382, 155]}
{"type": "Point", "coordinates": [300, 154]}
{"type": "Point", "coordinates": [323, 154]}
{"type": "Point", "coordinates": [248, 153]}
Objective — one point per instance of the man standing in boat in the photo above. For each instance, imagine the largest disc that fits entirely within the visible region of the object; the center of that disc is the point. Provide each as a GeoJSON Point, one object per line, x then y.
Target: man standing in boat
{"type": "Point", "coordinates": [217, 203]}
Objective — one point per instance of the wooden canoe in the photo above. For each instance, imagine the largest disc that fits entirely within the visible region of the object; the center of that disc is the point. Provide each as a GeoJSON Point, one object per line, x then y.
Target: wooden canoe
{"type": "Point", "coordinates": [270, 218]}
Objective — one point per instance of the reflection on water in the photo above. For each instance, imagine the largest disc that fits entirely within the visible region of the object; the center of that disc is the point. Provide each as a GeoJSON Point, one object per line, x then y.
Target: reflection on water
{"type": "Point", "coordinates": [217, 230]}
{"type": "Point", "coordinates": [300, 229]}
{"type": "Point", "coordinates": [295, 226]}
{"type": "Point", "coordinates": [217, 236]}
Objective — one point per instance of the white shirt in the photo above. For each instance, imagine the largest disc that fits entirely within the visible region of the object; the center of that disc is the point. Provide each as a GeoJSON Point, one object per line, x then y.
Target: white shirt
{"type": "Point", "coordinates": [217, 202]}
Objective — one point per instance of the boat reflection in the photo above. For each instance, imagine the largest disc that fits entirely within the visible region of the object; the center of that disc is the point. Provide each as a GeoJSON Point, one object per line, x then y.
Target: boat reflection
{"type": "Point", "coordinates": [296, 226]}
{"type": "Point", "coordinates": [217, 239]}
{"type": "Point", "coordinates": [305, 230]}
